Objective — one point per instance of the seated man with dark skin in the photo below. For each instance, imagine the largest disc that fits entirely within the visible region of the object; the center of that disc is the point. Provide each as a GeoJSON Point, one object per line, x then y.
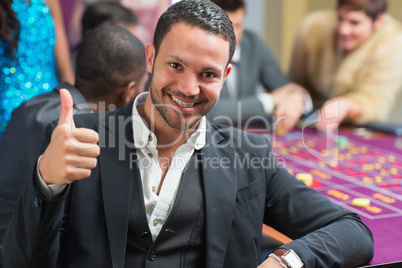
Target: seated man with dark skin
{"type": "Point", "coordinates": [256, 87]}
{"type": "Point", "coordinates": [110, 13]}
{"type": "Point", "coordinates": [106, 13]}
{"type": "Point", "coordinates": [110, 73]}
{"type": "Point", "coordinates": [154, 184]}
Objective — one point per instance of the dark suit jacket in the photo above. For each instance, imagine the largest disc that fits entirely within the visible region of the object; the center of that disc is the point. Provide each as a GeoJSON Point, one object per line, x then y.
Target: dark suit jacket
{"type": "Point", "coordinates": [20, 146]}
{"type": "Point", "coordinates": [256, 66]}
{"type": "Point", "coordinates": [239, 197]}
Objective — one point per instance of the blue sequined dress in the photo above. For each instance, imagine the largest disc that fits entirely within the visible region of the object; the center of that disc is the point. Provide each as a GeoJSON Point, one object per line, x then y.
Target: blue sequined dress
{"type": "Point", "coordinates": [33, 71]}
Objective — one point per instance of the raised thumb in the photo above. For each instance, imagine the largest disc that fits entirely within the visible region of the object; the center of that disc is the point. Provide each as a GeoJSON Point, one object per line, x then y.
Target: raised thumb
{"type": "Point", "coordinates": [66, 109]}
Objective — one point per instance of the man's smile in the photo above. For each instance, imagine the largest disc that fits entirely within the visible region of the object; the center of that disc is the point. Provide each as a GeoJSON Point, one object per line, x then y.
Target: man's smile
{"type": "Point", "coordinates": [182, 103]}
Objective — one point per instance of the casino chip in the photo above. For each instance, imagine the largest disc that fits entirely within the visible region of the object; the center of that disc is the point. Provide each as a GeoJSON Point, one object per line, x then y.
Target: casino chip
{"type": "Point", "coordinates": [307, 178]}
{"type": "Point", "coordinates": [342, 141]}
{"type": "Point", "coordinates": [280, 131]}
{"type": "Point", "coordinates": [360, 202]}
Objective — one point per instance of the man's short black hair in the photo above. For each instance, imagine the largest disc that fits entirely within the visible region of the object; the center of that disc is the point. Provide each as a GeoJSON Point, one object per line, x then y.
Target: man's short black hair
{"type": "Point", "coordinates": [198, 13]}
{"type": "Point", "coordinates": [100, 13]}
{"type": "Point", "coordinates": [108, 58]}
{"type": "Point", "coordinates": [230, 5]}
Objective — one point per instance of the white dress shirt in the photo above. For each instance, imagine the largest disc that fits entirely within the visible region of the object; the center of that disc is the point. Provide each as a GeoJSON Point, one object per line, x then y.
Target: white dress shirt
{"type": "Point", "coordinates": [157, 207]}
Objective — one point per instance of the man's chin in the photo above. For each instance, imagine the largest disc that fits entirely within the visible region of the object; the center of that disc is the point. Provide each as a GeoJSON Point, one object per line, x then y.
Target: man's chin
{"type": "Point", "coordinates": [348, 46]}
{"type": "Point", "coordinates": [190, 123]}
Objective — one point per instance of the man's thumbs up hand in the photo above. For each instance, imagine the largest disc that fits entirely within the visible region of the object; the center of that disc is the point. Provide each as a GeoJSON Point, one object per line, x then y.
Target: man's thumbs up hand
{"type": "Point", "coordinates": [66, 108]}
{"type": "Point", "coordinates": [72, 152]}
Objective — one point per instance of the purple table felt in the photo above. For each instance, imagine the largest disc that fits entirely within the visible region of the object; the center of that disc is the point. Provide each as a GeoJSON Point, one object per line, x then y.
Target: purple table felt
{"type": "Point", "coordinates": [366, 168]}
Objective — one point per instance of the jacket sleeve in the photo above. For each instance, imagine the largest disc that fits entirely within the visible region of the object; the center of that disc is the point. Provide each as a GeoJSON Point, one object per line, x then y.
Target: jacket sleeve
{"type": "Point", "coordinates": [324, 233]}
{"type": "Point", "coordinates": [33, 235]}
{"type": "Point", "coordinates": [309, 43]}
{"type": "Point", "coordinates": [297, 73]}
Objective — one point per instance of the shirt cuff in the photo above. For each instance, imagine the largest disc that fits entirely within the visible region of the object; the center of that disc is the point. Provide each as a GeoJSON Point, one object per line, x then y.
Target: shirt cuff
{"type": "Point", "coordinates": [267, 102]}
{"type": "Point", "coordinates": [48, 190]}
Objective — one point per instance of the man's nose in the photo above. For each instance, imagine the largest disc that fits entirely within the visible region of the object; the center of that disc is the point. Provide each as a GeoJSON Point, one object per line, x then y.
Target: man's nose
{"type": "Point", "coordinates": [344, 29]}
{"type": "Point", "coordinates": [189, 85]}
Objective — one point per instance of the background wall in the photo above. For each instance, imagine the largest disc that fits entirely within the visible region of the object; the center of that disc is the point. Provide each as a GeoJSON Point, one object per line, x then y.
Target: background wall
{"type": "Point", "coordinates": [255, 19]}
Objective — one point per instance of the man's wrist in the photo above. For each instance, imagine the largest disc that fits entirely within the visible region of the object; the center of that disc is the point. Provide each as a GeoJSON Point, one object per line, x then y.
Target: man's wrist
{"type": "Point", "coordinates": [272, 255]}
{"type": "Point", "coordinates": [48, 190]}
{"type": "Point", "coordinates": [287, 258]}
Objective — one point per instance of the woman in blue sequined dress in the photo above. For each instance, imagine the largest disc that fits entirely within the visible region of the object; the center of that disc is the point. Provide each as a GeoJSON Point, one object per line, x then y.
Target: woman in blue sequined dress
{"type": "Point", "coordinates": [32, 59]}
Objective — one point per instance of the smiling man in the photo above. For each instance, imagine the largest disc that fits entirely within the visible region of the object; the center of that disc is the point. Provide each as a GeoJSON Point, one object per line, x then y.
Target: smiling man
{"type": "Point", "coordinates": [183, 201]}
{"type": "Point", "coordinates": [350, 61]}
{"type": "Point", "coordinates": [184, 85]}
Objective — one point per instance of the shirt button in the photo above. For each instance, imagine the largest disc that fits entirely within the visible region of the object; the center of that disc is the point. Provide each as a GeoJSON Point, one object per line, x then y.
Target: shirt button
{"type": "Point", "coordinates": [155, 222]}
{"type": "Point", "coordinates": [152, 256]}
{"type": "Point", "coordinates": [150, 155]}
{"type": "Point", "coordinates": [153, 189]}
{"type": "Point", "coordinates": [140, 142]}
{"type": "Point", "coordinates": [150, 138]}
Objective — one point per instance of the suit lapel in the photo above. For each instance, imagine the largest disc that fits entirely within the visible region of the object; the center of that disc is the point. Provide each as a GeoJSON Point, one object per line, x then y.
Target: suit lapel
{"type": "Point", "coordinates": [116, 176]}
{"type": "Point", "coordinates": [220, 186]}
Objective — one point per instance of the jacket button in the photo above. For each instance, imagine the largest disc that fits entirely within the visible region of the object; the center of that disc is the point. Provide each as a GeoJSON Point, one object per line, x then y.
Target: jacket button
{"type": "Point", "coordinates": [152, 256]}
{"type": "Point", "coordinates": [144, 234]}
{"type": "Point", "coordinates": [36, 201]}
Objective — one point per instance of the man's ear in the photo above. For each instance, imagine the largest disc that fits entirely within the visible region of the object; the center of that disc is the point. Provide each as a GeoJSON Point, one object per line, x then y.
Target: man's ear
{"type": "Point", "coordinates": [379, 21]}
{"type": "Point", "coordinates": [227, 72]}
{"type": "Point", "coordinates": [150, 56]}
{"type": "Point", "coordinates": [129, 92]}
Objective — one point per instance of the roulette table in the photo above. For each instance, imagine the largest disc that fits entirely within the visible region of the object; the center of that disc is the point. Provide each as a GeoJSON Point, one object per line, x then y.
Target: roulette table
{"type": "Point", "coordinates": [364, 165]}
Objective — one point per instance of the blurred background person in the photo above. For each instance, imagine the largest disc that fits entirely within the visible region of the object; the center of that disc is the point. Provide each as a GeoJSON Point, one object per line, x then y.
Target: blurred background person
{"type": "Point", "coordinates": [350, 60]}
{"type": "Point", "coordinates": [110, 73]}
{"type": "Point", "coordinates": [148, 12]}
{"type": "Point", "coordinates": [256, 86]}
{"type": "Point", "coordinates": [112, 13]}
{"type": "Point", "coordinates": [34, 54]}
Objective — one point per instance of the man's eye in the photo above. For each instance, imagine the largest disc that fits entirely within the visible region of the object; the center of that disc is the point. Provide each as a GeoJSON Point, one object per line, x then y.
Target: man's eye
{"type": "Point", "coordinates": [209, 75]}
{"type": "Point", "coordinates": [354, 22]}
{"type": "Point", "coordinates": [175, 65]}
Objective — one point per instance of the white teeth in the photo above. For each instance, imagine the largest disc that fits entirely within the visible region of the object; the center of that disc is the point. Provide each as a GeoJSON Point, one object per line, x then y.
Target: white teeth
{"type": "Point", "coordinates": [183, 104]}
